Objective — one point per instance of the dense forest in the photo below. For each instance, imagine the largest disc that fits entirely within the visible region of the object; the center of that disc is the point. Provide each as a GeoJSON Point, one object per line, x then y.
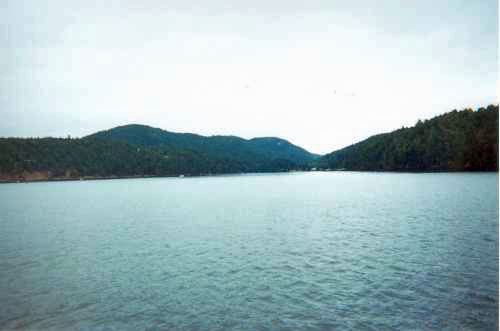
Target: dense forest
{"type": "Point", "coordinates": [464, 140]}
{"type": "Point", "coordinates": [251, 151]}
{"type": "Point", "coordinates": [136, 150]}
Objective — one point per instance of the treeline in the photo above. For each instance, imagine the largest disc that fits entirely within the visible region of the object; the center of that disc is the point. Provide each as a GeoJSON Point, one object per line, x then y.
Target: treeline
{"type": "Point", "coordinates": [460, 140]}
{"type": "Point", "coordinates": [464, 140]}
{"type": "Point", "coordinates": [253, 152]}
{"type": "Point", "coordinates": [49, 158]}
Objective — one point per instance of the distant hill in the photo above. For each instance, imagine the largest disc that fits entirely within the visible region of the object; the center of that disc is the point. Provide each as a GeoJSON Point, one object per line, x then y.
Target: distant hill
{"type": "Point", "coordinates": [464, 140]}
{"type": "Point", "coordinates": [227, 147]}
{"type": "Point", "coordinates": [138, 150]}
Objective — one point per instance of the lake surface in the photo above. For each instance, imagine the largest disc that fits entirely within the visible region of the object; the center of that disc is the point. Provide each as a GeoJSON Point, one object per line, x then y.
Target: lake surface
{"type": "Point", "coordinates": [308, 251]}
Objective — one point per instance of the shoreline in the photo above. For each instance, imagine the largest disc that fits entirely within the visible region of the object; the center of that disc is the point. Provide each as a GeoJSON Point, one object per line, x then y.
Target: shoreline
{"type": "Point", "coordinates": [90, 178]}
{"type": "Point", "coordinates": [87, 178]}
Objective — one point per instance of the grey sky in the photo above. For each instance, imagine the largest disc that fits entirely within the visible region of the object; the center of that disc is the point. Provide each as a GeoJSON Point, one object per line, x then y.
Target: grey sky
{"type": "Point", "coordinates": [322, 74]}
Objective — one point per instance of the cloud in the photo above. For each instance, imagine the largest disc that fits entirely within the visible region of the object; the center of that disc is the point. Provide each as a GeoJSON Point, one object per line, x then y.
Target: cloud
{"type": "Point", "coordinates": [249, 68]}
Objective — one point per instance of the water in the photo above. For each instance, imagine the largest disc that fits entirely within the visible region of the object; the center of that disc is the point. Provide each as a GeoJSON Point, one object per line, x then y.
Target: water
{"type": "Point", "coordinates": [309, 251]}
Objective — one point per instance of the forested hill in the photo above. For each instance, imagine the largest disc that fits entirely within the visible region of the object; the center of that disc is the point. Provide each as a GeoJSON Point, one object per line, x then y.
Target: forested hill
{"type": "Point", "coordinates": [460, 140]}
{"type": "Point", "coordinates": [136, 150]}
{"type": "Point", "coordinates": [228, 147]}
{"type": "Point", "coordinates": [464, 140]}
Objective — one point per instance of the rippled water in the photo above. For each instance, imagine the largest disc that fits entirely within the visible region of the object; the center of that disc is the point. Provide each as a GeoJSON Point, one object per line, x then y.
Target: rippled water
{"type": "Point", "coordinates": [315, 251]}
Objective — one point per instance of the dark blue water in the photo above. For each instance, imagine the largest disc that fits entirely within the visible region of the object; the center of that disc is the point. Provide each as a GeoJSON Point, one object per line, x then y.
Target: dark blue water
{"type": "Point", "coordinates": [308, 251]}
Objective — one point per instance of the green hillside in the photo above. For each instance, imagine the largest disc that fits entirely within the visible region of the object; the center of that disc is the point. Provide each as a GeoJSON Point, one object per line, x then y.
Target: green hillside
{"type": "Point", "coordinates": [464, 140]}
{"type": "Point", "coordinates": [137, 150]}
{"type": "Point", "coordinates": [257, 150]}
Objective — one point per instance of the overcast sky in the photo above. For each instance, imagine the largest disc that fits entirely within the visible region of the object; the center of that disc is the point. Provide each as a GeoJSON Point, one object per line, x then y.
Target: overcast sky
{"type": "Point", "coordinates": [322, 74]}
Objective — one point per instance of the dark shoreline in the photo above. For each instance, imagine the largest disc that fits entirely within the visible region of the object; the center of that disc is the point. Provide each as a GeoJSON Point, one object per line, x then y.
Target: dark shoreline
{"type": "Point", "coordinates": [22, 180]}
{"type": "Point", "coordinates": [87, 178]}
